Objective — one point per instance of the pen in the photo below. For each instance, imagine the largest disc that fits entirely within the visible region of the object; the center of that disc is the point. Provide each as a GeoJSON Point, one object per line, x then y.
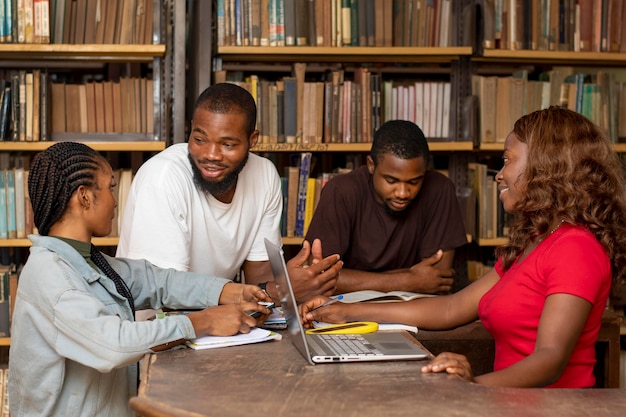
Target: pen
{"type": "Point", "coordinates": [329, 302]}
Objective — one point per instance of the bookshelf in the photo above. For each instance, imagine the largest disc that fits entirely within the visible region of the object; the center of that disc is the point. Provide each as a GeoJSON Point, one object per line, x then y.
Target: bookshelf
{"type": "Point", "coordinates": [459, 62]}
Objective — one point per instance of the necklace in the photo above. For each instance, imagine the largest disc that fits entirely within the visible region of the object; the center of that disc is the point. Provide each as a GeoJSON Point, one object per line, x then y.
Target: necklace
{"type": "Point", "coordinates": [552, 231]}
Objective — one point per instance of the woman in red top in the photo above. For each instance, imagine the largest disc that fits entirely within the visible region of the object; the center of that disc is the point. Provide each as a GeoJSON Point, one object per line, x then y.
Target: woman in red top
{"type": "Point", "coordinates": [543, 301]}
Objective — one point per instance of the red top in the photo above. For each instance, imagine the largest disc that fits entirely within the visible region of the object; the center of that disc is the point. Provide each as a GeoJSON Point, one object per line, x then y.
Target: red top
{"type": "Point", "coordinates": [570, 261]}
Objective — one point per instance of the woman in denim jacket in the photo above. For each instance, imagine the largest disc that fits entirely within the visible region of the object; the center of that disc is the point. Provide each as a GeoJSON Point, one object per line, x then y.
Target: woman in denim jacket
{"type": "Point", "coordinates": [75, 343]}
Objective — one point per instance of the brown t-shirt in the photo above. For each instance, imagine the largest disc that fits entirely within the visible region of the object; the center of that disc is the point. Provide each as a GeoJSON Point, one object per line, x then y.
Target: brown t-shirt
{"type": "Point", "coordinates": [351, 223]}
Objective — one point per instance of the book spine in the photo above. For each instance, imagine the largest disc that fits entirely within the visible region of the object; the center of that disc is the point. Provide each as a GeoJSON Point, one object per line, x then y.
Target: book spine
{"type": "Point", "coordinates": [305, 165]}
{"type": "Point", "coordinates": [15, 106]}
{"type": "Point", "coordinates": [5, 109]}
{"type": "Point", "coordinates": [10, 185]}
{"type": "Point", "coordinates": [4, 224]}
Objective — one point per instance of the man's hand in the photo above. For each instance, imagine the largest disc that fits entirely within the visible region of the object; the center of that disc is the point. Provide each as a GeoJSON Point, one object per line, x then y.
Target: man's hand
{"type": "Point", "coordinates": [429, 279]}
{"type": "Point", "coordinates": [317, 278]}
{"type": "Point", "coordinates": [234, 293]}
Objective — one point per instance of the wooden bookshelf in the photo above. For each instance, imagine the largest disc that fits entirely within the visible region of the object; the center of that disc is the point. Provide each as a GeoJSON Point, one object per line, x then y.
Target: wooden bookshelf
{"type": "Point", "coordinates": [60, 52]}
{"type": "Point", "coordinates": [551, 57]}
{"type": "Point", "coordinates": [5, 341]}
{"type": "Point", "coordinates": [343, 54]}
{"type": "Point", "coordinates": [24, 243]}
{"type": "Point", "coordinates": [499, 146]}
{"type": "Point", "coordinates": [122, 146]}
{"type": "Point", "coordinates": [350, 147]}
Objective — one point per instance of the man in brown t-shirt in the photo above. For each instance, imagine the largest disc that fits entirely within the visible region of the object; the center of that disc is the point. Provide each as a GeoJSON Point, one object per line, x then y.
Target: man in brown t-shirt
{"type": "Point", "coordinates": [395, 223]}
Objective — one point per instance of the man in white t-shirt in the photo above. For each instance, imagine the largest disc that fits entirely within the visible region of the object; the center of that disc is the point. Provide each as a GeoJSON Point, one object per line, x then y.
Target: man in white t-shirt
{"type": "Point", "coordinates": [205, 206]}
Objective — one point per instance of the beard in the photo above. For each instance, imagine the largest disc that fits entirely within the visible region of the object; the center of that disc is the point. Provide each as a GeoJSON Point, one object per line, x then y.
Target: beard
{"type": "Point", "coordinates": [216, 187]}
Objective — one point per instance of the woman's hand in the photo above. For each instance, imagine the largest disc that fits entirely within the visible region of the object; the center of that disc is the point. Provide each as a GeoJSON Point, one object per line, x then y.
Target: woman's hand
{"type": "Point", "coordinates": [311, 311]}
{"type": "Point", "coordinates": [452, 363]}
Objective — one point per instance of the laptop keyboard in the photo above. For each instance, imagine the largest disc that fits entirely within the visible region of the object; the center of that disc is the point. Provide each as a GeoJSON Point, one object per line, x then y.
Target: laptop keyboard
{"type": "Point", "coordinates": [349, 345]}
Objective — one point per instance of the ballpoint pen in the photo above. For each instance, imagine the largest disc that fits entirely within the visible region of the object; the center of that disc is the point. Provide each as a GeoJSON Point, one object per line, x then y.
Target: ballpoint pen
{"type": "Point", "coordinates": [329, 302]}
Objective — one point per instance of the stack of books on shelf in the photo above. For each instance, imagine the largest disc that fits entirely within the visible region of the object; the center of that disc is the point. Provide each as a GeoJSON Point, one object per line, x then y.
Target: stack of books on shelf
{"type": "Point", "coordinates": [32, 108]}
{"type": "Point", "coordinates": [492, 219]}
{"type": "Point", "coordinates": [599, 94]}
{"type": "Point", "coordinates": [344, 108]}
{"type": "Point", "coordinates": [124, 106]}
{"type": "Point", "coordinates": [301, 192]}
{"type": "Point", "coordinates": [76, 21]}
{"type": "Point", "coordinates": [25, 106]}
{"type": "Point", "coordinates": [555, 25]}
{"type": "Point", "coordinates": [17, 222]}
{"type": "Point", "coordinates": [334, 23]}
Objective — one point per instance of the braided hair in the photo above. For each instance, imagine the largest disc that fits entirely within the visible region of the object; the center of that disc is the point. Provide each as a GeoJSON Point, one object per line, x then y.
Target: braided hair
{"type": "Point", "coordinates": [54, 176]}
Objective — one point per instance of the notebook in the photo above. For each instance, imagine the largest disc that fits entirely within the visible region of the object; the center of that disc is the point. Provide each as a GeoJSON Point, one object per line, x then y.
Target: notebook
{"type": "Point", "coordinates": [329, 348]}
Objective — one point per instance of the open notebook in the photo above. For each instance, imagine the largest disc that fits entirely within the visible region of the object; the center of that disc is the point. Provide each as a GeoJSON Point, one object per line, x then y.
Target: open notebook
{"type": "Point", "coordinates": [328, 348]}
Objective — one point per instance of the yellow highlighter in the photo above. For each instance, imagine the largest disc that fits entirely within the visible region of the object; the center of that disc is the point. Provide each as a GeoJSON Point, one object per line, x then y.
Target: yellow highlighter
{"type": "Point", "coordinates": [356, 327]}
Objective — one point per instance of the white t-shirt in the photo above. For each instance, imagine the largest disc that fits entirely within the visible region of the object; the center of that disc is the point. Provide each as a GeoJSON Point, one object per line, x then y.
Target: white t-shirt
{"type": "Point", "coordinates": [171, 223]}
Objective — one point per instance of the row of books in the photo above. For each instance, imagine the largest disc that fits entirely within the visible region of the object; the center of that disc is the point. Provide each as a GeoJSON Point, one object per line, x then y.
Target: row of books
{"type": "Point", "coordinates": [342, 110]}
{"type": "Point", "coordinates": [8, 289]}
{"type": "Point", "coordinates": [301, 192]}
{"type": "Point", "coordinates": [334, 23]}
{"type": "Point", "coordinates": [491, 219]}
{"type": "Point", "coordinates": [16, 213]}
{"type": "Point", "coordinates": [25, 106]}
{"type": "Point", "coordinates": [555, 25]}
{"type": "Point", "coordinates": [595, 93]}
{"type": "Point", "coordinates": [4, 393]}
{"type": "Point", "coordinates": [124, 106]}
{"type": "Point", "coordinates": [77, 21]}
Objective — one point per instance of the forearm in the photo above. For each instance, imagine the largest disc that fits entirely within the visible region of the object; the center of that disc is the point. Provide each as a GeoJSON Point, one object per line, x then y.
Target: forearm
{"type": "Point", "coordinates": [356, 280]}
{"type": "Point", "coordinates": [540, 369]}
{"type": "Point", "coordinates": [436, 313]}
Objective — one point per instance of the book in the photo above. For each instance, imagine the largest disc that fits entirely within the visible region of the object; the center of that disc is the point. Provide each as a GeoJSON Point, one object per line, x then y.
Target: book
{"type": "Point", "coordinates": [309, 206]}
{"type": "Point", "coordinates": [20, 215]}
{"type": "Point", "coordinates": [256, 335]}
{"type": "Point", "coordinates": [44, 107]}
{"type": "Point", "coordinates": [10, 207]}
{"type": "Point", "coordinates": [5, 109]}
{"type": "Point", "coordinates": [4, 222]}
{"type": "Point", "coordinates": [379, 296]}
{"type": "Point", "coordinates": [292, 174]}
{"type": "Point", "coordinates": [305, 166]}
{"type": "Point", "coordinates": [276, 320]}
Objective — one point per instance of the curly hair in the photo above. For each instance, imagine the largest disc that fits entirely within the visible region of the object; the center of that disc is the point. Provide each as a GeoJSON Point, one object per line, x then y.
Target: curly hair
{"type": "Point", "coordinates": [400, 138]}
{"type": "Point", "coordinates": [225, 98]}
{"type": "Point", "coordinates": [572, 174]}
{"type": "Point", "coordinates": [54, 176]}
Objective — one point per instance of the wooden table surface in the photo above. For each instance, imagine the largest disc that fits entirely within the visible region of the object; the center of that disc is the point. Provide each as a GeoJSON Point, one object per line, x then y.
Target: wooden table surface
{"type": "Point", "coordinates": [273, 379]}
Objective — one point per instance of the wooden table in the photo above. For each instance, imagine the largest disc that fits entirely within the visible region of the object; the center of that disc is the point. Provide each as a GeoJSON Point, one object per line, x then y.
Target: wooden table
{"type": "Point", "coordinates": [273, 379]}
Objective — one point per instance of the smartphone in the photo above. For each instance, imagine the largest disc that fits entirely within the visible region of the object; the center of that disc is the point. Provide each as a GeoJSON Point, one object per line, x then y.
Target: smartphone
{"type": "Point", "coordinates": [268, 304]}
{"type": "Point", "coordinates": [356, 327]}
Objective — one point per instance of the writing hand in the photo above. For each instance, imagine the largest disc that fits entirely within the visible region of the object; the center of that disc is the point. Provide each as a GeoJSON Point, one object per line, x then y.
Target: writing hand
{"type": "Point", "coordinates": [226, 320]}
{"type": "Point", "coordinates": [451, 363]}
{"type": "Point", "coordinates": [312, 310]}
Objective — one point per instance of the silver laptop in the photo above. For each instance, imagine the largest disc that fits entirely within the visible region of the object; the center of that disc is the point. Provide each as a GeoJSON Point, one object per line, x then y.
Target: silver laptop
{"type": "Point", "coordinates": [328, 348]}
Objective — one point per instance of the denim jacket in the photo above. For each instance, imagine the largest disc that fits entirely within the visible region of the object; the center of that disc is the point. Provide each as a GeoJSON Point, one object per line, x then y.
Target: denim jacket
{"type": "Point", "coordinates": [74, 342]}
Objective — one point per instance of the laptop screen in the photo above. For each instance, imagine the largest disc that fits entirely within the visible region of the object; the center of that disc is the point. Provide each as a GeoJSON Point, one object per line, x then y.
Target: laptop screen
{"type": "Point", "coordinates": [287, 298]}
